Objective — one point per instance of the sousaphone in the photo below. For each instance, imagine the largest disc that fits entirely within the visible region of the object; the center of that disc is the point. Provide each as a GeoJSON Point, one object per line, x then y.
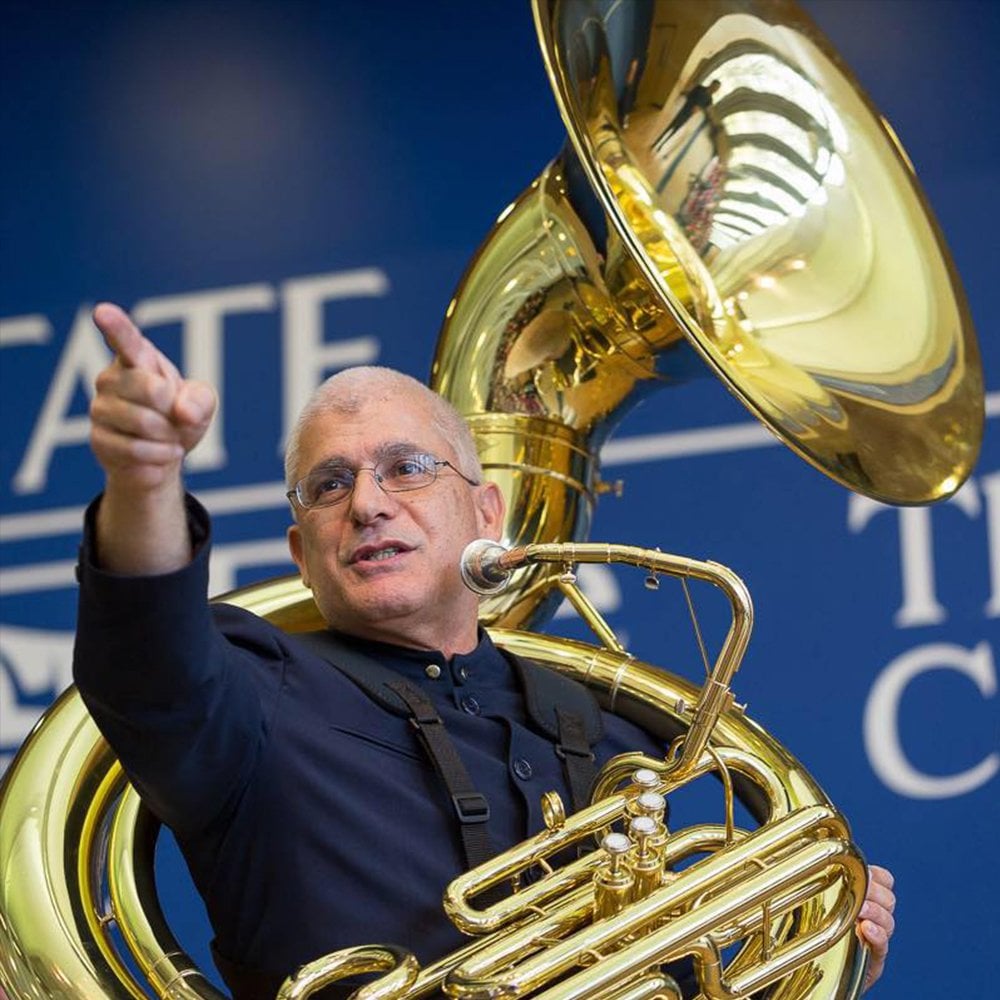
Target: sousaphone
{"type": "Point", "coordinates": [728, 201]}
{"type": "Point", "coordinates": [729, 194]}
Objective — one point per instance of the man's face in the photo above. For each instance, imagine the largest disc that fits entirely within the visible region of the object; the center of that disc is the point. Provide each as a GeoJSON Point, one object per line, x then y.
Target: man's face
{"type": "Point", "coordinates": [386, 565]}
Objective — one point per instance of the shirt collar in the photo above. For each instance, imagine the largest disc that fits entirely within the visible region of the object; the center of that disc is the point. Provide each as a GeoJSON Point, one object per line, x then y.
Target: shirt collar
{"type": "Point", "coordinates": [484, 664]}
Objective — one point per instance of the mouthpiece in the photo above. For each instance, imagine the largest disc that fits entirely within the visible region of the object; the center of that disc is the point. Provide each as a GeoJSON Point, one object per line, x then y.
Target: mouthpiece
{"type": "Point", "coordinates": [482, 572]}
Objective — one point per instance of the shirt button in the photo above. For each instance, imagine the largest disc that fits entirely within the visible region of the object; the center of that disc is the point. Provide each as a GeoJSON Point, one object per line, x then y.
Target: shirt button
{"type": "Point", "coordinates": [522, 769]}
{"type": "Point", "coordinates": [433, 671]}
{"type": "Point", "coordinates": [470, 705]}
{"type": "Point", "coordinates": [463, 674]}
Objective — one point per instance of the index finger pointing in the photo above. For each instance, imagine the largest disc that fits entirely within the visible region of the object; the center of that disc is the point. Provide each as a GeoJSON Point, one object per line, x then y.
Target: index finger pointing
{"type": "Point", "coordinates": [127, 341]}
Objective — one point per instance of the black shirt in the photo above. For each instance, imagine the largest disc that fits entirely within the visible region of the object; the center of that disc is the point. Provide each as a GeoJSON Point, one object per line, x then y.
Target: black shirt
{"type": "Point", "coordinates": [309, 816]}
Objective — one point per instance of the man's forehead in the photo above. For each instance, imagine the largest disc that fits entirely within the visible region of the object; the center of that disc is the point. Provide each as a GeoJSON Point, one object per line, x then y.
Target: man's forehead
{"type": "Point", "coordinates": [389, 448]}
{"type": "Point", "coordinates": [368, 433]}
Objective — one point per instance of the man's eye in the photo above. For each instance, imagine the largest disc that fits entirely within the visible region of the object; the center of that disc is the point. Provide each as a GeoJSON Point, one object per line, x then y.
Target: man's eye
{"type": "Point", "coordinates": [410, 467]}
{"type": "Point", "coordinates": [332, 482]}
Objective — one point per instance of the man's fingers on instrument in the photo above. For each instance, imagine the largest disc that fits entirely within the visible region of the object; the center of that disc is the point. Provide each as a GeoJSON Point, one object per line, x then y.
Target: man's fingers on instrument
{"type": "Point", "coordinates": [878, 943]}
{"type": "Point", "coordinates": [874, 916]}
{"type": "Point", "coordinates": [882, 895]}
{"type": "Point", "coordinates": [881, 876]}
{"type": "Point", "coordinates": [876, 923]}
{"type": "Point", "coordinates": [873, 974]}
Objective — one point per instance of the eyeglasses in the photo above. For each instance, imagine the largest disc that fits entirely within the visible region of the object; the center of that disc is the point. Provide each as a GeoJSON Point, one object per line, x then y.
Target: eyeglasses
{"type": "Point", "coordinates": [332, 484]}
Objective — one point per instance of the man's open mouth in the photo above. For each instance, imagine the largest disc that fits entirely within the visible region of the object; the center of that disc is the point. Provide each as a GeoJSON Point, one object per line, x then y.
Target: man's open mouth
{"type": "Point", "coordinates": [378, 553]}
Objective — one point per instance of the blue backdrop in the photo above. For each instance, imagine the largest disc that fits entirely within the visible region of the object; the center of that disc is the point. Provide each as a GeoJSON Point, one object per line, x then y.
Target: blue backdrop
{"type": "Point", "coordinates": [279, 189]}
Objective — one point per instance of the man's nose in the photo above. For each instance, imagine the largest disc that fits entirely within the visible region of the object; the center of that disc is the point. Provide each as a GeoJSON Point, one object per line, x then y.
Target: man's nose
{"type": "Point", "coordinates": [368, 499]}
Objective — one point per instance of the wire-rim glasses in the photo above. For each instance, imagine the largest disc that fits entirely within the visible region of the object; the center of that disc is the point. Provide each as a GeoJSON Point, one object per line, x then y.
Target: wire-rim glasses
{"type": "Point", "coordinates": [332, 484]}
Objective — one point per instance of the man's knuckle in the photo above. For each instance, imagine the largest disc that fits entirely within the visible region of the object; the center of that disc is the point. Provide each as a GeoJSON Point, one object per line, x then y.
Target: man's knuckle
{"type": "Point", "coordinates": [149, 424]}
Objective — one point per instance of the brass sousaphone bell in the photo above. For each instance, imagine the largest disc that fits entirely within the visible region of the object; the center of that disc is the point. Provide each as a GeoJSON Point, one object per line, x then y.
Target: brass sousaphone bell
{"type": "Point", "coordinates": [727, 192]}
{"type": "Point", "coordinates": [728, 198]}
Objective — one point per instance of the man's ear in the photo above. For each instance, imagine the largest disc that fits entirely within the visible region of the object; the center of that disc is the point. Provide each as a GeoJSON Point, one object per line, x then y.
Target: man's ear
{"type": "Point", "coordinates": [298, 556]}
{"type": "Point", "coordinates": [490, 510]}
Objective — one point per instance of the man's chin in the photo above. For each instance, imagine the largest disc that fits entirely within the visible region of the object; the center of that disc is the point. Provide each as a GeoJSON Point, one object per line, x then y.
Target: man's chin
{"type": "Point", "coordinates": [376, 613]}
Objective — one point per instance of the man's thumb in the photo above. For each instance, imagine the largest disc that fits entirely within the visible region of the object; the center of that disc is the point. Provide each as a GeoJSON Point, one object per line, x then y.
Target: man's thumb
{"type": "Point", "coordinates": [194, 407]}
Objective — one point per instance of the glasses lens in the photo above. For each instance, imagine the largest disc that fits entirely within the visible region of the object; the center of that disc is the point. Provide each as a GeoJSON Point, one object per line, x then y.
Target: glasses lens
{"type": "Point", "coordinates": [406, 472]}
{"type": "Point", "coordinates": [395, 475]}
{"type": "Point", "coordinates": [326, 486]}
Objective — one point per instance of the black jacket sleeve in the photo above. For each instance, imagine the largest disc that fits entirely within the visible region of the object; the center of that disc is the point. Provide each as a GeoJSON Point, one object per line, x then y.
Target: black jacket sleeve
{"type": "Point", "coordinates": [180, 704]}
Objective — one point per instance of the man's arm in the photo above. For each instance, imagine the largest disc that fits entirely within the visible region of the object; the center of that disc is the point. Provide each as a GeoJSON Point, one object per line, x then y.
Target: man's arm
{"type": "Point", "coordinates": [179, 704]}
{"type": "Point", "coordinates": [144, 419]}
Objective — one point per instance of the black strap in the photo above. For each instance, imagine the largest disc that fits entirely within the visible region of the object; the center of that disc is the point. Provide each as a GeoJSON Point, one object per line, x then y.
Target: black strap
{"type": "Point", "coordinates": [559, 707]}
{"type": "Point", "coordinates": [397, 695]}
{"type": "Point", "coordinates": [570, 716]}
{"type": "Point", "coordinates": [576, 756]}
{"type": "Point", "coordinates": [369, 675]}
{"type": "Point", "coordinates": [545, 691]}
{"type": "Point", "coordinates": [471, 807]}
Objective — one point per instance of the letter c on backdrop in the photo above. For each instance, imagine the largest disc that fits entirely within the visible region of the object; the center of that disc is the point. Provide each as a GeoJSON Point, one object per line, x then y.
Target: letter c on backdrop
{"type": "Point", "coordinates": [881, 719]}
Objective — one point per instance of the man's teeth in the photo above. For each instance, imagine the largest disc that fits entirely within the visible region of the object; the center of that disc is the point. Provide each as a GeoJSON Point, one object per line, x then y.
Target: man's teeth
{"type": "Point", "coordinates": [384, 553]}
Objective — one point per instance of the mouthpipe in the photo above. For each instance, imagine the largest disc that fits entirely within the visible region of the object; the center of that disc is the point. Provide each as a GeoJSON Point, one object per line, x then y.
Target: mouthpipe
{"type": "Point", "coordinates": [486, 565]}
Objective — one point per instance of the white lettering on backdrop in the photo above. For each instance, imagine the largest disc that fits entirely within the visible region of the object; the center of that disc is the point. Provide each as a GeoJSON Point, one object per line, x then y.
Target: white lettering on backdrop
{"type": "Point", "coordinates": [882, 711]}
{"type": "Point", "coordinates": [308, 356]}
{"type": "Point", "coordinates": [921, 606]}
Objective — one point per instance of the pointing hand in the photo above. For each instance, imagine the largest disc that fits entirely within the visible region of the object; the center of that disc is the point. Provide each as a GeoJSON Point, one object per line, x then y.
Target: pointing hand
{"type": "Point", "coordinates": [144, 417]}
